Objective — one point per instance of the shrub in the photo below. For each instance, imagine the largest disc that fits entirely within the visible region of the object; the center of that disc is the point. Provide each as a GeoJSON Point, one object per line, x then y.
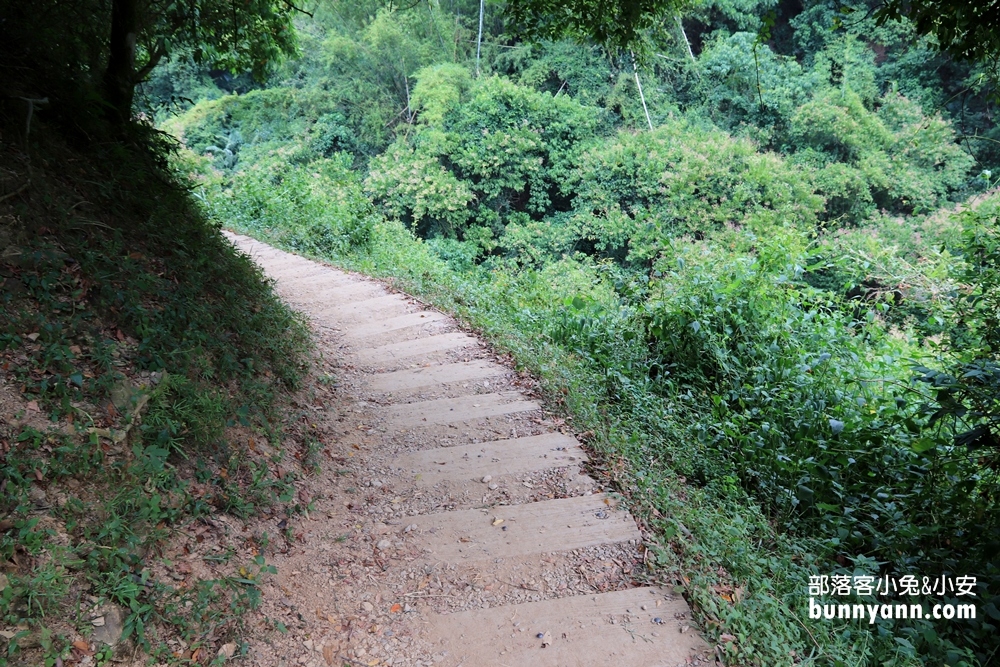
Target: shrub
{"type": "Point", "coordinates": [644, 189]}
{"type": "Point", "coordinates": [317, 206]}
{"type": "Point", "coordinates": [905, 160]}
{"type": "Point", "coordinates": [505, 149]}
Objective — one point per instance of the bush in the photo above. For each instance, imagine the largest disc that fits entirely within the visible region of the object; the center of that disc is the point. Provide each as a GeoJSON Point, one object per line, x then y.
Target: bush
{"type": "Point", "coordinates": [896, 158]}
{"type": "Point", "coordinates": [504, 150]}
{"type": "Point", "coordinates": [318, 206]}
{"type": "Point", "coordinates": [782, 388]}
{"type": "Point", "coordinates": [644, 189]}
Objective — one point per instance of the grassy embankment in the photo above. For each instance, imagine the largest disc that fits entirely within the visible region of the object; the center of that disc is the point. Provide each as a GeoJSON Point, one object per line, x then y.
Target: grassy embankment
{"type": "Point", "coordinates": [138, 354]}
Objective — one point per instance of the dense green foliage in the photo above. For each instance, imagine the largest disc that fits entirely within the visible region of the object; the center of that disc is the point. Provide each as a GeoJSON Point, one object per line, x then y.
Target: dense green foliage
{"type": "Point", "coordinates": [86, 57]}
{"type": "Point", "coordinates": [738, 301]}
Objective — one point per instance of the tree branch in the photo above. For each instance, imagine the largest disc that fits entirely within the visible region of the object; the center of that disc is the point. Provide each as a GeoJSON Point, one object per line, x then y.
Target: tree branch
{"type": "Point", "coordinates": [292, 6]}
{"type": "Point", "coordinates": [154, 59]}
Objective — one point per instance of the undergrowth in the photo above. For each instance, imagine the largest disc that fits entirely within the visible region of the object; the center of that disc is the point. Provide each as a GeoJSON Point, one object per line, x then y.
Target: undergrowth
{"type": "Point", "coordinates": [138, 350]}
{"type": "Point", "coordinates": [738, 544]}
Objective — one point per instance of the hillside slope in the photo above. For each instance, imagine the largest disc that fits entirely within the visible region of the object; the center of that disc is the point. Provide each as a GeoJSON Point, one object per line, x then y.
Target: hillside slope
{"type": "Point", "coordinates": [139, 352]}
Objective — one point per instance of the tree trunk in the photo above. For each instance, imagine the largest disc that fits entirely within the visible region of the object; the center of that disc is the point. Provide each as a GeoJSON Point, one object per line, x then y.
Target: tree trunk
{"type": "Point", "coordinates": [119, 78]}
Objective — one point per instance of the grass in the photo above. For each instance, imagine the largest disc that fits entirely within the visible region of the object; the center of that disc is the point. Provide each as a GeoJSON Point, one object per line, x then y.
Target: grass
{"type": "Point", "coordinates": [731, 514]}
{"type": "Point", "coordinates": [745, 579]}
{"type": "Point", "coordinates": [138, 353]}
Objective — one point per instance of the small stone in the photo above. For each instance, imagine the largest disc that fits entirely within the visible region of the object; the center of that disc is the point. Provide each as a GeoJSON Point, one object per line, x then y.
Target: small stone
{"type": "Point", "coordinates": [410, 528]}
{"type": "Point", "coordinates": [383, 545]}
{"type": "Point", "coordinates": [367, 606]}
{"type": "Point", "coordinates": [487, 479]}
{"type": "Point", "coordinates": [658, 621]}
{"type": "Point", "coordinates": [308, 644]}
{"type": "Point", "coordinates": [494, 486]}
{"type": "Point", "coordinates": [110, 630]}
{"type": "Point", "coordinates": [37, 495]}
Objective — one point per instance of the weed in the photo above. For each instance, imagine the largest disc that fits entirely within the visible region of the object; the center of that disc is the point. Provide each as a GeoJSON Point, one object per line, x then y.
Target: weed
{"type": "Point", "coordinates": [137, 347]}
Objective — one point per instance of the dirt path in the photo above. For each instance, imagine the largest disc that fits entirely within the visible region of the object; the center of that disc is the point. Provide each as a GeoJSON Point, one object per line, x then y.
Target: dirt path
{"type": "Point", "coordinates": [451, 523]}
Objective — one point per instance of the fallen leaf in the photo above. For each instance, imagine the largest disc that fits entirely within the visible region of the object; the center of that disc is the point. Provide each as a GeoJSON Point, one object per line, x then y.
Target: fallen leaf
{"type": "Point", "coordinates": [81, 645]}
{"type": "Point", "coordinates": [396, 608]}
{"type": "Point", "coordinates": [329, 654]}
{"type": "Point", "coordinates": [497, 521]}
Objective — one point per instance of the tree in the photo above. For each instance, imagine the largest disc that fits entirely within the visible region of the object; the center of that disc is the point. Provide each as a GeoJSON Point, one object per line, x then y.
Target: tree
{"type": "Point", "coordinates": [79, 51]}
{"type": "Point", "coordinates": [220, 34]}
{"type": "Point", "coordinates": [617, 24]}
{"type": "Point", "coordinates": [965, 30]}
